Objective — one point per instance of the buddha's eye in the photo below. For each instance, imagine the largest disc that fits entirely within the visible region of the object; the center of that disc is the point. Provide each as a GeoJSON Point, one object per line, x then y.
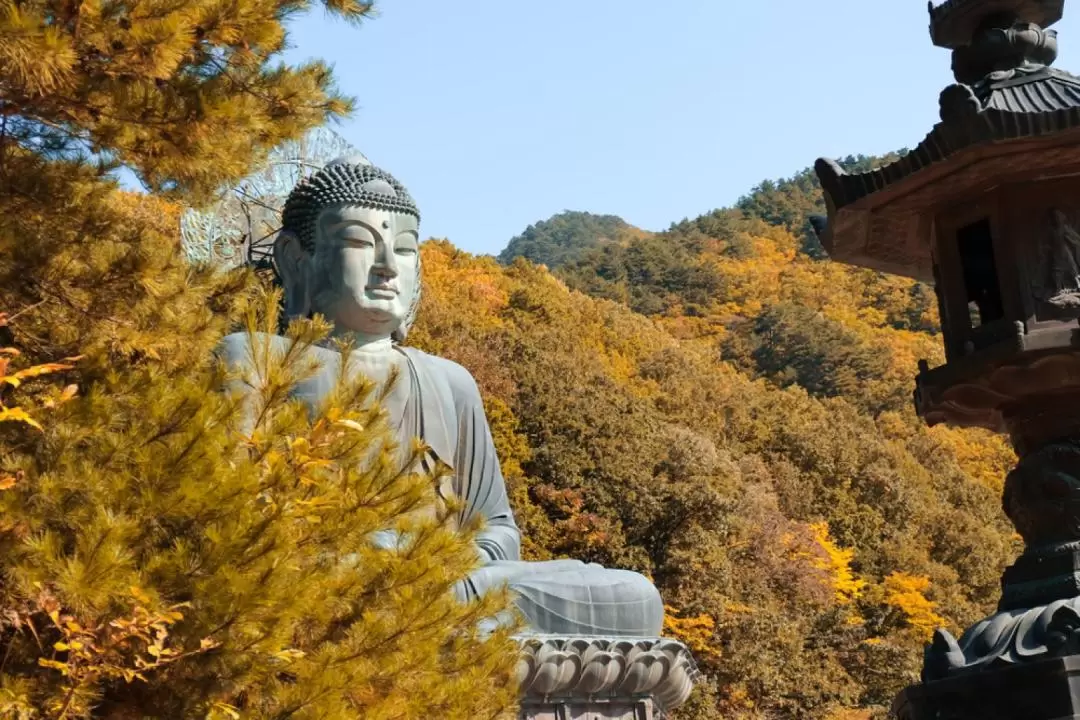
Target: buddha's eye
{"type": "Point", "coordinates": [405, 244]}
{"type": "Point", "coordinates": [357, 235]}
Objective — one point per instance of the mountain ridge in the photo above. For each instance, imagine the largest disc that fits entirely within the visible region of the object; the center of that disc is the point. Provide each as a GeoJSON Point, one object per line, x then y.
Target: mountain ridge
{"type": "Point", "coordinates": [564, 237]}
{"type": "Point", "coordinates": [788, 202]}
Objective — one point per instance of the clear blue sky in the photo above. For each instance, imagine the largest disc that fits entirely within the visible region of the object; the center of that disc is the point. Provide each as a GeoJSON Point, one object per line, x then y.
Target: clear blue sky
{"type": "Point", "coordinates": [499, 113]}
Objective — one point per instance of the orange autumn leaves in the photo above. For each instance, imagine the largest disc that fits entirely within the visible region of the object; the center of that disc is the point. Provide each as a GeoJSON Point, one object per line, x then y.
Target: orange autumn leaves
{"type": "Point", "coordinates": [901, 592]}
{"type": "Point", "coordinates": [836, 563]}
{"type": "Point", "coordinates": [125, 648]}
{"type": "Point", "coordinates": [904, 595]}
{"type": "Point", "coordinates": [696, 632]}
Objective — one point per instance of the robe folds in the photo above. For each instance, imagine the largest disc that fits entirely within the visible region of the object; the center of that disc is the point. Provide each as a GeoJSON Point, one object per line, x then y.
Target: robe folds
{"type": "Point", "coordinates": [444, 408]}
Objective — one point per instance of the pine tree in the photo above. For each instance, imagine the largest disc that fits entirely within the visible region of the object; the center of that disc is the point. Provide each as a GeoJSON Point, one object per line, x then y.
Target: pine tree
{"type": "Point", "coordinates": [153, 562]}
{"type": "Point", "coordinates": [156, 563]}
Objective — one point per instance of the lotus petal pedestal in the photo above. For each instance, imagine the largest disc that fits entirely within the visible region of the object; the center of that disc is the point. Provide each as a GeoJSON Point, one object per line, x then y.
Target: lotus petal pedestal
{"type": "Point", "coordinates": [590, 678]}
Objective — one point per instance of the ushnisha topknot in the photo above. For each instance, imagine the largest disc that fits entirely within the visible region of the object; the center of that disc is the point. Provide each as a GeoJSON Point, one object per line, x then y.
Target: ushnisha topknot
{"type": "Point", "coordinates": [342, 182]}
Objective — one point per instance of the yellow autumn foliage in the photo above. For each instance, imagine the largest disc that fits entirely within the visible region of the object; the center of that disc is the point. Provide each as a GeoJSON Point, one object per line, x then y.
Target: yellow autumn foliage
{"type": "Point", "coordinates": [783, 521]}
{"type": "Point", "coordinates": [837, 563]}
{"type": "Point", "coordinates": [985, 456]}
{"type": "Point", "coordinates": [907, 593]}
{"type": "Point", "coordinates": [814, 547]}
{"type": "Point", "coordinates": [696, 632]}
{"type": "Point", "coordinates": [758, 447]}
{"type": "Point", "coordinates": [850, 714]}
{"type": "Point", "coordinates": [15, 378]}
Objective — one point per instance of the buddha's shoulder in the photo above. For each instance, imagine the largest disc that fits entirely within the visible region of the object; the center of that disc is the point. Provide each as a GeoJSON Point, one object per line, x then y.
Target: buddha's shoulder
{"type": "Point", "coordinates": [455, 376]}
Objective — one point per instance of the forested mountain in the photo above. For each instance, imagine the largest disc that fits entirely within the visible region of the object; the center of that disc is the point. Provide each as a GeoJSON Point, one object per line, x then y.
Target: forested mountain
{"type": "Point", "coordinates": [569, 236]}
{"type": "Point", "coordinates": [789, 202]}
{"type": "Point", "coordinates": [717, 408]}
{"type": "Point", "coordinates": [565, 237]}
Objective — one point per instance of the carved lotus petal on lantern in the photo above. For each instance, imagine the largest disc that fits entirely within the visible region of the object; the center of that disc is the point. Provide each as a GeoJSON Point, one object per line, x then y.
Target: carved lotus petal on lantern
{"type": "Point", "coordinates": [1006, 638]}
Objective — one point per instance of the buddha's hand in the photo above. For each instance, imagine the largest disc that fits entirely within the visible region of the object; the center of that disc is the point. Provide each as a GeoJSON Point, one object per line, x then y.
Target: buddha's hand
{"type": "Point", "coordinates": [445, 499]}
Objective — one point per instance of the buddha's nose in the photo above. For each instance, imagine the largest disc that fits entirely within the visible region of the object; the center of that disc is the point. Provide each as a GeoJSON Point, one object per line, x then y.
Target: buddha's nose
{"type": "Point", "coordinates": [386, 261]}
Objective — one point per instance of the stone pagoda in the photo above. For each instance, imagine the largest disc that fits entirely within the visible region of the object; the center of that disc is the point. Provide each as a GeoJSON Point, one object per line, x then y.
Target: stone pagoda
{"type": "Point", "coordinates": [987, 207]}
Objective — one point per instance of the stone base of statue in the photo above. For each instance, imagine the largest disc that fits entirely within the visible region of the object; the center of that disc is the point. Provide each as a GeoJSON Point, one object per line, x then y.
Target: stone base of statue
{"type": "Point", "coordinates": [1041, 690]}
{"type": "Point", "coordinates": [564, 678]}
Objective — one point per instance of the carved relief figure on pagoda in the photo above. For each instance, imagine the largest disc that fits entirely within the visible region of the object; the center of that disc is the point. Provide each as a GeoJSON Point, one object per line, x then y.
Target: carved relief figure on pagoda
{"type": "Point", "coordinates": [1056, 282]}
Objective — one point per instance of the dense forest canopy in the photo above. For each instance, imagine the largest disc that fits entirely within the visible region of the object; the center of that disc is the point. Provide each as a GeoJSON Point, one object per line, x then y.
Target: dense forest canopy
{"type": "Point", "coordinates": [565, 237]}
{"type": "Point", "coordinates": [790, 201]}
{"type": "Point", "coordinates": [719, 407]}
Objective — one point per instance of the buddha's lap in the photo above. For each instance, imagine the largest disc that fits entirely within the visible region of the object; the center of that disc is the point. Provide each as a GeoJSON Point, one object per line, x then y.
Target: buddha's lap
{"type": "Point", "coordinates": [572, 597]}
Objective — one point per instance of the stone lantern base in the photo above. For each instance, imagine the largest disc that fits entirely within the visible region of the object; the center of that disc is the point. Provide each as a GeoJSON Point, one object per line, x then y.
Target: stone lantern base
{"type": "Point", "coordinates": [1042, 690]}
{"type": "Point", "coordinates": [591, 678]}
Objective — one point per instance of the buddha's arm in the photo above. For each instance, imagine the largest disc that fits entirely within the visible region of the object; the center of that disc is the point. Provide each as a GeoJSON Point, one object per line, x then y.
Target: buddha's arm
{"type": "Point", "coordinates": [481, 484]}
{"type": "Point", "coordinates": [235, 351]}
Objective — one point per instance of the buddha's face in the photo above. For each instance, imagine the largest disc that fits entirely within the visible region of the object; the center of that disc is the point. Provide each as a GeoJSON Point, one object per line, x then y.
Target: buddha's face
{"type": "Point", "coordinates": [365, 268]}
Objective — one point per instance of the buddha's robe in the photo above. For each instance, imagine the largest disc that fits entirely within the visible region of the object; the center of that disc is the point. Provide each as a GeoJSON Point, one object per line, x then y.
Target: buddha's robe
{"type": "Point", "coordinates": [441, 404]}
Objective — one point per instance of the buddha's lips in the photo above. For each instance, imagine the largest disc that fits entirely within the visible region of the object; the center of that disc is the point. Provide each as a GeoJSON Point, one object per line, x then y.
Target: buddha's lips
{"type": "Point", "coordinates": [382, 288]}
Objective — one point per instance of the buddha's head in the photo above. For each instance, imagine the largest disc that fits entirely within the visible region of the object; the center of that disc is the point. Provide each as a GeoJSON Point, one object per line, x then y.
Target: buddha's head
{"type": "Point", "coordinates": [348, 249]}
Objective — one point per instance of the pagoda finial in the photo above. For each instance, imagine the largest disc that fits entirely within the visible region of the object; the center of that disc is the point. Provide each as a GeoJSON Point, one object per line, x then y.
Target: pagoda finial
{"type": "Point", "coordinates": [955, 23]}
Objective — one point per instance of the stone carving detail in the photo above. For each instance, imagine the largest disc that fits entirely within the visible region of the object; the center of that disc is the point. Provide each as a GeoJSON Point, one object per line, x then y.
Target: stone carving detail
{"type": "Point", "coordinates": [995, 55]}
{"type": "Point", "coordinates": [981, 400]}
{"type": "Point", "coordinates": [1055, 282]}
{"type": "Point", "coordinates": [958, 103]}
{"type": "Point", "coordinates": [553, 668]}
{"type": "Point", "coordinates": [1006, 638]}
{"type": "Point", "coordinates": [1001, 53]}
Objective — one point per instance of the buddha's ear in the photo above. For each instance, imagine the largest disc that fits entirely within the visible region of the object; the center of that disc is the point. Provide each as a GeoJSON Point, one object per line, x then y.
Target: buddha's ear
{"type": "Point", "coordinates": [292, 262]}
{"type": "Point", "coordinates": [402, 330]}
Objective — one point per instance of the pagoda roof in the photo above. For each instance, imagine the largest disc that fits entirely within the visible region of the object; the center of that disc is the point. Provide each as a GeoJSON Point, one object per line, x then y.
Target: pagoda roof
{"type": "Point", "coordinates": [1045, 91]}
{"type": "Point", "coordinates": [1043, 102]}
{"type": "Point", "coordinates": [953, 22]}
{"type": "Point", "coordinates": [999, 127]}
